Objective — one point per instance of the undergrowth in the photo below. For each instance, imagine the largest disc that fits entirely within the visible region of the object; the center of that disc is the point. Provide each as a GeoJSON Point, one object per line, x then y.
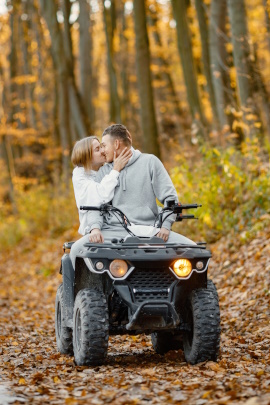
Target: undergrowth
{"type": "Point", "coordinates": [42, 211]}
{"type": "Point", "coordinates": [232, 186]}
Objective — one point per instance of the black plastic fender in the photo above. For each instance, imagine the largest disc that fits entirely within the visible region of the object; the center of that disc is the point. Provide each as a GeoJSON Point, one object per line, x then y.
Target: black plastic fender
{"type": "Point", "coordinates": [68, 287]}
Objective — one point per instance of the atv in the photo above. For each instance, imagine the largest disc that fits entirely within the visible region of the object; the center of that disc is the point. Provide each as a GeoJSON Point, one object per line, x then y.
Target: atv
{"type": "Point", "coordinates": [138, 285]}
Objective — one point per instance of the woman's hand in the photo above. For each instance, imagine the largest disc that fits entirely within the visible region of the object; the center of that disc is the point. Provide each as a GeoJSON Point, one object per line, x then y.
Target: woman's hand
{"type": "Point", "coordinates": [120, 162]}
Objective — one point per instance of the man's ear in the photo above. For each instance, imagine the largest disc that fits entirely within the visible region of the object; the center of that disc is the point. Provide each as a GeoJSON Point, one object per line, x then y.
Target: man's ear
{"type": "Point", "coordinates": [116, 144]}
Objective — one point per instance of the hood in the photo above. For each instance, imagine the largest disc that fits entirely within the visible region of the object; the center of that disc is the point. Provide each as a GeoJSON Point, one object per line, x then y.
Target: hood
{"type": "Point", "coordinates": [135, 156]}
{"type": "Point", "coordinates": [122, 178]}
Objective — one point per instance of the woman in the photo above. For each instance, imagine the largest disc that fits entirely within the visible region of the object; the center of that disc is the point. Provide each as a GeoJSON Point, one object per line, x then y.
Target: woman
{"type": "Point", "coordinates": [87, 157]}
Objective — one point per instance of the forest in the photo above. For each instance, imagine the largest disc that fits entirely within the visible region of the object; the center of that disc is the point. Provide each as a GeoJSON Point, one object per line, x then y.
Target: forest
{"type": "Point", "coordinates": [190, 79]}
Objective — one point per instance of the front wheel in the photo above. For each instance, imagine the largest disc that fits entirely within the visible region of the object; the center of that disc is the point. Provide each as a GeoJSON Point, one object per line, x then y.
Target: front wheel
{"type": "Point", "coordinates": [91, 328]}
{"type": "Point", "coordinates": [63, 333]}
{"type": "Point", "coordinates": [202, 341]}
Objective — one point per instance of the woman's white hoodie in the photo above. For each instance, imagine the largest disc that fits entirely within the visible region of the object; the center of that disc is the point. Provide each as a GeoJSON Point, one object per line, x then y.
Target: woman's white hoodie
{"type": "Point", "coordinates": [88, 192]}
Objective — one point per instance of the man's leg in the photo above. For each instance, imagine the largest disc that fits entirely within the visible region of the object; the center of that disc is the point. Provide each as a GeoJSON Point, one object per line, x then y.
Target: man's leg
{"type": "Point", "coordinates": [177, 238]}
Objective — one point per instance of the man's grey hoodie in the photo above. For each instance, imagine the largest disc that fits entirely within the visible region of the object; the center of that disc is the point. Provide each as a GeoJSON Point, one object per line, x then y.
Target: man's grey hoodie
{"type": "Point", "coordinates": [142, 181]}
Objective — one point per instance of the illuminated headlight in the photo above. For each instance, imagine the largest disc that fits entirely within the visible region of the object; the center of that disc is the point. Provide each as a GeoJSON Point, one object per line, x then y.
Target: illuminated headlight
{"type": "Point", "coordinates": [118, 268]}
{"type": "Point", "coordinates": [199, 265]}
{"type": "Point", "coordinates": [99, 265]}
{"type": "Point", "coordinates": [182, 267]}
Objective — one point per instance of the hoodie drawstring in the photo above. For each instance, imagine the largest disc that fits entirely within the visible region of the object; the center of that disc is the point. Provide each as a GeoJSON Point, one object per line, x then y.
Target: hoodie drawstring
{"type": "Point", "coordinates": [124, 180]}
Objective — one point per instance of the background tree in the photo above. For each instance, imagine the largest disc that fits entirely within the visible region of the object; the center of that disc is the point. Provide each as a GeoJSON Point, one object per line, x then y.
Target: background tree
{"type": "Point", "coordinates": [110, 27]}
{"type": "Point", "coordinates": [185, 52]}
{"type": "Point", "coordinates": [147, 110]}
{"type": "Point", "coordinates": [219, 59]}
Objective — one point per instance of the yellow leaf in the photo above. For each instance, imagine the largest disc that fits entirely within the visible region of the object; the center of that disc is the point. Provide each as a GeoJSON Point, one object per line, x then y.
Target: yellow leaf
{"type": "Point", "coordinates": [206, 394]}
{"type": "Point", "coordinates": [56, 380]}
{"type": "Point", "coordinates": [22, 381]}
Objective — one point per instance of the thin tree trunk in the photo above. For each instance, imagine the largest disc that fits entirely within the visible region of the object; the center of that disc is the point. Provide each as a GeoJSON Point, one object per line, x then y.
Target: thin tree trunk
{"type": "Point", "coordinates": [110, 25]}
{"type": "Point", "coordinates": [185, 52]}
{"type": "Point", "coordinates": [147, 110]}
{"type": "Point", "coordinates": [260, 87]}
{"type": "Point", "coordinates": [267, 20]}
{"type": "Point", "coordinates": [38, 35]}
{"type": "Point", "coordinates": [27, 70]}
{"type": "Point", "coordinates": [218, 56]}
{"type": "Point", "coordinates": [241, 56]}
{"type": "Point", "coordinates": [49, 9]}
{"type": "Point", "coordinates": [5, 147]}
{"type": "Point", "coordinates": [204, 33]}
{"type": "Point", "coordinates": [164, 65]}
{"type": "Point", "coordinates": [76, 105]}
{"type": "Point", "coordinates": [63, 60]}
{"type": "Point", "coordinates": [124, 61]}
{"type": "Point", "coordinates": [86, 60]}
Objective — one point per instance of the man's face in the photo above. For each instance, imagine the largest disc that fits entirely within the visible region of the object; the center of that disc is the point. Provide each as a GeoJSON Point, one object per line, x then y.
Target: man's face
{"type": "Point", "coordinates": [108, 148]}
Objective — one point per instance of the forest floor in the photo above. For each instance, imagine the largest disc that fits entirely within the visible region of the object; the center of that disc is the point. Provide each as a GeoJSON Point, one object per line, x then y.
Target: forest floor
{"type": "Point", "coordinates": [32, 371]}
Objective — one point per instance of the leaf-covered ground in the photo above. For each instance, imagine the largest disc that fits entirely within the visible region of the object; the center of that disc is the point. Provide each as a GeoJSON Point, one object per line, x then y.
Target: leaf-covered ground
{"type": "Point", "coordinates": [32, 371]}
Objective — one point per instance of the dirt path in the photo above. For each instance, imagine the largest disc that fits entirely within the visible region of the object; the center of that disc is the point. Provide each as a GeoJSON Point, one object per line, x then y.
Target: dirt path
{"type": "Point", "coordinates": [32, 371]}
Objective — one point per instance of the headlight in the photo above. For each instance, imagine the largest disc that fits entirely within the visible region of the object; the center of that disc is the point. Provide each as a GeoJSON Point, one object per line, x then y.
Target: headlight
{"type": "Point", "coordinates": [182, 267]}
{"type": "Point", "coordinates": [118, 268]}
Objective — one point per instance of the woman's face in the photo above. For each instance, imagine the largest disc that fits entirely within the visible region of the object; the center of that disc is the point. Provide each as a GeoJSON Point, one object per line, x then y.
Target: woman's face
{"type": "Point", "coordinates": [98, 157]}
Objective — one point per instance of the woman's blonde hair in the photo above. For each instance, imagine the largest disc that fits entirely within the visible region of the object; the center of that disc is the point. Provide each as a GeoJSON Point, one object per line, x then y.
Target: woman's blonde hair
{"type": "Point", "coordinates": [82, 152]}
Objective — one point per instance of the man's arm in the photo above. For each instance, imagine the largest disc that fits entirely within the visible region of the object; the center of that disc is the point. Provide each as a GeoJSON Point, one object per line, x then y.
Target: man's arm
{"type": "Point", "coordinates": [163, 187]}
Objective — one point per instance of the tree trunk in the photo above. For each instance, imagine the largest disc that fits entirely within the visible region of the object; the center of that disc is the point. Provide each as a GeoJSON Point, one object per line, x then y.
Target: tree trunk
{"type": "Point", "coordinates": [147, 110]}
{"type": "Point", "coordinates": [185, 52]}
{"type": "Point", "coordinates": [204, 33]}
{"type": "Point", "coordinates": [267, 20]}
{"type": "Point", "coordinates": [86, 60]}
{"type": "Point", "coordinates": [124, 61]}
{"type": "Point", "coordinates": [49, 9]}
{"type": "Point", "coordinates": [218, 56]}
{"type": "Point", "coordinates": [110, 25]}
{"type": "Point", "coordinates": [5, 147]}
{"type": "Point", "coordinates": [163, 64]}
{"type": "Point", "coordinates": [241, 56]}
{"type": "Point", "coordinates": [62, 54]}
{"type": "Point", "coordinates": [37, 30]}
{"type": "Point", "coordinates": [25, 35]}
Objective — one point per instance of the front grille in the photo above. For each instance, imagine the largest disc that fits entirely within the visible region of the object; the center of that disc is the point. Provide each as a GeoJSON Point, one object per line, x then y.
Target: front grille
{"type": "Point", "coordinates": [150, 284]}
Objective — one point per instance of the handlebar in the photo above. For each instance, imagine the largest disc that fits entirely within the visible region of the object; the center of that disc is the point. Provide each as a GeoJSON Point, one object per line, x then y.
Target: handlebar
{"type": "Point", "coordinates": [171, 208]}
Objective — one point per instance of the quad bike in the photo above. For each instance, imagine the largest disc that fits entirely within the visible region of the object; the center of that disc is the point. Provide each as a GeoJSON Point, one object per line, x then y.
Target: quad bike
{"type": "Point", "coordinates": [134, 286]}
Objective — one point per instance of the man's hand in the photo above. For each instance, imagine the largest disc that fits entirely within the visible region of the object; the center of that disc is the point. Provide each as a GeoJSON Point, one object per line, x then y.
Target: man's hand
{"type": "Point", "coordinates": [96, 236]}
{"type": "Point", "coordinates": [163, 234]}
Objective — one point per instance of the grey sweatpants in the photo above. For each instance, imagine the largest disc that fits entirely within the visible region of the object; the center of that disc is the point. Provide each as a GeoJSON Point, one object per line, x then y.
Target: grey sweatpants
{"type": "Point", "coordinates": [119, 233]}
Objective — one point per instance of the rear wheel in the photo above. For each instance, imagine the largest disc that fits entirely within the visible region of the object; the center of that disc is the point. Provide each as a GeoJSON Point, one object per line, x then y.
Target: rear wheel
{"type": "Point", "coordinates": [63, 333]}
{"type": "Point", "coordinates": [91, 327]}
{"type": "Point", "coordinates": [202, 315]}
{"type": "Point", "coordinates": [165, 341]}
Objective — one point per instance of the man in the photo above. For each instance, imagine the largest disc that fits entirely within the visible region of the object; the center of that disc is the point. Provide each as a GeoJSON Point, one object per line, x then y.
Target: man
{"type": "Point", "coordinates": [143, 181]}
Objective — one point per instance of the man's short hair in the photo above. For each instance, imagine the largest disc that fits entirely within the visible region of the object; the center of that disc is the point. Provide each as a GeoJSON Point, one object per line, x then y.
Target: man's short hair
{"type": "Point", "coordinates": [118, 131]}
